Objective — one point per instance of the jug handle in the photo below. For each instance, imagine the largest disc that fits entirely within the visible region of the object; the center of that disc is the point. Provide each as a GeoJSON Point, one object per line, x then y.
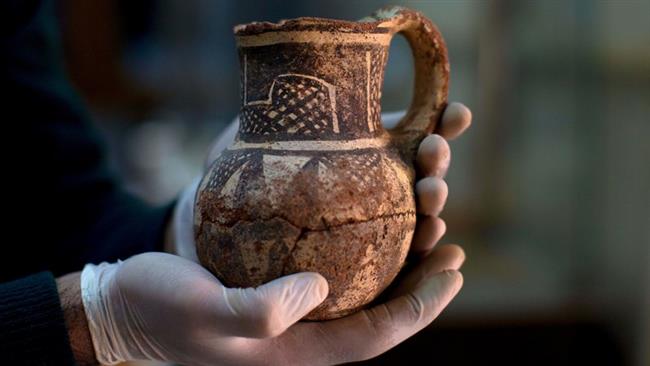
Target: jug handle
{"type": "Point", "coordinates": [431, 75]}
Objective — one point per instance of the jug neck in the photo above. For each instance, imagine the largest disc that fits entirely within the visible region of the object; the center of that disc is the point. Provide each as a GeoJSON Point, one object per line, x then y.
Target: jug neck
{"type": "Point", "coordinates": [311, 79]}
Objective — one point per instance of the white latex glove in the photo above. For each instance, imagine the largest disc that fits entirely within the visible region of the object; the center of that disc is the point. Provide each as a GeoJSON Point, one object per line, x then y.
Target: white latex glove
{"type": "Point", "coordinates": [159, 306]}
{"type": "Point", "coordinates": [433, 160]}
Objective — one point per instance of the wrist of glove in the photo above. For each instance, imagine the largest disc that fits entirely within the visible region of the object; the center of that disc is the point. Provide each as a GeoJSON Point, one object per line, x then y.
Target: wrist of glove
{"type": "Point", "coordinates": [110, 345]}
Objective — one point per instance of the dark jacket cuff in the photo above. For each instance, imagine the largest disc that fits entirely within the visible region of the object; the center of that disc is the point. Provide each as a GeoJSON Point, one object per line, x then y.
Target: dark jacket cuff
{"type": "Point", "coordinates": [32, 326]}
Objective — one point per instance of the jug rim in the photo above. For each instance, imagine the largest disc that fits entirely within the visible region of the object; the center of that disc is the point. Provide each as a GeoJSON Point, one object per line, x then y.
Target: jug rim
{"type": "Point", "coordinates": [365, 25]}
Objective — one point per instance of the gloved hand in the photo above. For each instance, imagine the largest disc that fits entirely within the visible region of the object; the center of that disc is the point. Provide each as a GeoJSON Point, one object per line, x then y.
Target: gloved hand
{"type": "Point", "coordinates": [431, 190]}
{"type": "Point", "coordinates": [162, 307]}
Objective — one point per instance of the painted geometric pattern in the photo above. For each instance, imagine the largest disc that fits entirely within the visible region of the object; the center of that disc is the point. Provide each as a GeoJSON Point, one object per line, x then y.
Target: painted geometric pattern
{"type": "Point", "coordinates": [375, 74]}
{"type": "Point", "coordinates": [297, 104]}
{"type": "Point", "coordinates": [363, 170]}
{"type": "Point", "coordinates": [225, 167]}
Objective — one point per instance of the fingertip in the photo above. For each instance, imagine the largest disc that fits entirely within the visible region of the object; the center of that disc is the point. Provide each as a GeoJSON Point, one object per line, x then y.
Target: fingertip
{"type": "Point", "coordinates": [428, 232]}
{"type": "Point", "coordinates": [457, 252]}
{"type": "Point", "coordinates": [442, 258]}
{"type": "Point", "coordinates": [431, 144]}
{"type": "Point", "coordinates": [432, 193]}
{"type": "Point", "coordinates": [312, 282]}
{"type": "Point", "coordinates": [459, 113]}
{"type": "Point", "coordinates": [277, 305]}
{"type": "Point", "coordinates": [465, 112]}
{"type": "Point", "coordinates": [433, 156]}
{"type": "Point", "coordinates": [456, 280]}
{"type": "Point", "coordinates": [319, 284]}
{"type": "Point", "coordinates": [442, 227]}
{"type": "Point", "coordinates": [456, 119]}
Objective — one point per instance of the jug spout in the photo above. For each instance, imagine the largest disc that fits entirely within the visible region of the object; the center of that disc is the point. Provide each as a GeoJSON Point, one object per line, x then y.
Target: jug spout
{"type": "Point", "coordinates": [311, 79]}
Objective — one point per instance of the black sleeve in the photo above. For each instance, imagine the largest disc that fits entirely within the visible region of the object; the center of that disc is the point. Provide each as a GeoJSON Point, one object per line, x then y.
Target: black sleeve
{"type": "Point", "coordinates": [62, 206]}
{"type": "Point", "coordinates": [32, 327]}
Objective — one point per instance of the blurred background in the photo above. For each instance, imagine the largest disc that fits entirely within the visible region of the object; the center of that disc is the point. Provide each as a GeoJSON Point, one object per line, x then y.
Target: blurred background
{"type": "Point", "coordinates": [549, 190]}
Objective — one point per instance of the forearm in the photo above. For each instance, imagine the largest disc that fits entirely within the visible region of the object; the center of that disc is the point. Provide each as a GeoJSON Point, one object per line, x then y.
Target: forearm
{"type": "Point", "coordinates": [75, 319]}
{"type": "Point", "coordinates": [32, 324]}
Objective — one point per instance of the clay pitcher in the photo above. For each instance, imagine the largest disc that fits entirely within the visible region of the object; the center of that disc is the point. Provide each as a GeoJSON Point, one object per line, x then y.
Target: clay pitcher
{"type": "Point", "coordinates": [313, 181]}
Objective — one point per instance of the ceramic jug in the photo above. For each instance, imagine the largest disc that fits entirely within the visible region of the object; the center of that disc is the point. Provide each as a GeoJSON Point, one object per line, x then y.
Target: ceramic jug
{"type": "Point", "coordinates": [313, 181]}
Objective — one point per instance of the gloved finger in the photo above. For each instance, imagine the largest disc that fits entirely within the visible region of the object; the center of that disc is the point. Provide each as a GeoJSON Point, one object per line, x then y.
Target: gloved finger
{"type": "Point", "coordinates": [268, 310]}
{"type": "Point", "coordinates": [221, 143]}
{"type": "Point", "coordinates": [431, 195]}
{"type": "Point", "coordinates": [428, 232]}
{"type": "Point", "coordinates": [371, 332]}
{"type": "Point", "coordinates": [433, 156]}
{"type": "Point", "coordinates": [444, 257]}
{"type": "Point", "coordinates": [455, 120]}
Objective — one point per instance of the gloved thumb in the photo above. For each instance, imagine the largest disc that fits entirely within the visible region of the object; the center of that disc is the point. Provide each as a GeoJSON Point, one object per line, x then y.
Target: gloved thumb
{"type": "Point", "coordinates": [268, 310]}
